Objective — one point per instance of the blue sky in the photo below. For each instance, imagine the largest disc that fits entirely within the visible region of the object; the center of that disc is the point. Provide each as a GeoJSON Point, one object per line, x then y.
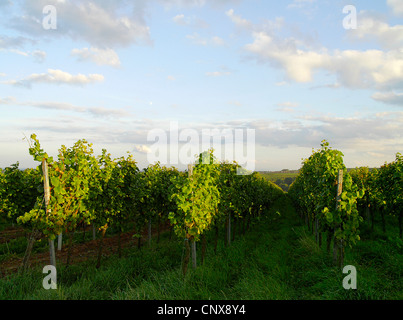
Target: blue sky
{"type": "Point", "coordinates": [114, 71]}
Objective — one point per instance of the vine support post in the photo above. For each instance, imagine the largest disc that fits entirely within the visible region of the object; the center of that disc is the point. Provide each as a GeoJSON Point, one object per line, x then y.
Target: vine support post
{"type": "Point", "coordinates": [186, 259]}
{"type": "Point", "coordinates": [367, 212]}
{"type": "Point", "coordinates": [229, 219]}
{"type": "Point", "coordinates": [229, 230]}
{"type": "Point", "coordinates": [93, 232]}
{"type": "Point", "coordinates": [47, 199]}
{"type": "Point", "coordinates": [194, 261]}
{"type": "Point", "coordinates": [190, 169]}
{"type": "Point", "coordinates": [149, 232]}
{"type": "Point", "coordinates": [59, 241]}
{"type": "Point", "coordinates": [28, 251]}
{"type": "Point", "coordinates": [204, 244]}
{"type": "Point", "coordinates": [338, 245]}
{"type": "Point", "coordinates": [194, 252]}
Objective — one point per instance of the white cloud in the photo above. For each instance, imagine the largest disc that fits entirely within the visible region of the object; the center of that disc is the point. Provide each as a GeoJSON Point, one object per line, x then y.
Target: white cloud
{"type": "Point", "coordinates": [197, 3]}
{"type": "Point", "coordinates": [181, 20]}
{"type": "Point", "coordinates": [353, 68]}
{"type": "Point", "coordinates": [19, 52]}
{"type": "Point", "coordinates": [107, 112]}
{"type": "Point", "coordinates": [14, 42]}
{"type": "Point", "coordinates": [56, 77]}
{"type": "Point", "coordinates": [235, 103]}
{"type": "Point", "coordinates": [183, 3]}
{"type": "Point", "coordinates": [371, 27]}
{"type": "Point", "coordinates": [287, 107]}
{"type": "Point", "coordinates": [396, 6]}
{"type": "Point", "coordinates": [16, 45]}
{"type": "Point", "coordinates": [335, 85]}
{"type": "Point", "coordinates": [368, 69]}
{"type": "Point", "coordinates": [300, 3]}
{"type": "Point", "coordinates": [374, 69]}
{"type": "Point", "coordinates": [357, 136]}
{"type": "Point", "coordinates": [192, 21]}
{"type": "Point", "coordinates": [288, 104]}
{"type": "Point", "coordinates": [299, 64]}
{"type": "Point", "coordinates": [286, 110]}
{"type": "Point", "coordinates": [62, 106]}
{"type": "Point", "coordinates": [224, 71]}
{"type": "Point", "coordinates": [99, 56]}
{"type": "Point", "coordinates": [389, 98]}
{"type": "Point", "coordinates": [39, 56]}
{"type": "Point", "coordinates": [100, 23]}
{"type": "Point", "coordinates": [218, 41]}
{"type": "Point", "coordinates": [199, 40]}
{"type": "Point", "coordinates": [238, 20]}
{"type": "Point", "coordinates": [218, 73]}
{"type": "Point", "coordinates": [7, 100]}
{"type": "Point", "coordinates": [142, 149]}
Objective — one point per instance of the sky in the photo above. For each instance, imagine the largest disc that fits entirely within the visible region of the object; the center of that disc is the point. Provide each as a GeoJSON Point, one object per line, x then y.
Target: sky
{"type": "Point", "coordinates": [120, 73]}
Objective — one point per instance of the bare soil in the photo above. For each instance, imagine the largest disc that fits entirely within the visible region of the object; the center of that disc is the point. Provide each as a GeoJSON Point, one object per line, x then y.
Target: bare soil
{"type": "Point", "coordinates": [80, 251]}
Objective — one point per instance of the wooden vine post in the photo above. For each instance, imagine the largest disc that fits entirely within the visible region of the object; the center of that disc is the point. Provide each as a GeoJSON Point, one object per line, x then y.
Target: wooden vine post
{"type": "Point", "coordinates": [149, 232]}
{"type": "Point", "coordinates": [229, 229]}
{"type": "Point", "coordinates": [47, 199]}
{"type": "Point", "coordinates": [338, 246]}
{"type": "Point", "coordinates": [194, 260]}
{"type": "Point", "coordinates": [228, 222]}
{"type": "Point", "coordinates": [59, 242]}
{"type": "Point", "coordinates": [25, 262]}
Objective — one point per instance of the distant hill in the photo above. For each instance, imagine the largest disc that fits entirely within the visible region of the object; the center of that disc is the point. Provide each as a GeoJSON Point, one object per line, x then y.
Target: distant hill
{"type": "Point", "coordinates": [283, 178]}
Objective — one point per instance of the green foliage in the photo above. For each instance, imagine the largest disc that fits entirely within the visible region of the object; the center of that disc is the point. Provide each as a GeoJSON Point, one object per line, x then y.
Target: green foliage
{"type": "Point", "coordinates": [69, 189]}
{"type": "Point", "coordinates": [390, 189]}
{"type": "Point", "coordinates": [216, 191]}
{"type": "Point", "coordinates": [390, 180]}
{"type": "Point", "coordinates": [197, 200]}
{"type": "Point", "coordinates": [120, 194]}
{"type": "Point", "coordinates": [383, 188]}
{"type": "Point", "coordinates": [315, 190]}
{"type": "Point", "coordinates": [19, 190]}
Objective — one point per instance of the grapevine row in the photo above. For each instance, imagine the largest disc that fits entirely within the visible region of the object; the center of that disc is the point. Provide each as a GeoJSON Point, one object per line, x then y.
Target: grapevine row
{"type": "Point", "coordinates": [98, 190]}
{"type": "Point", "coordinates": [315, 194]}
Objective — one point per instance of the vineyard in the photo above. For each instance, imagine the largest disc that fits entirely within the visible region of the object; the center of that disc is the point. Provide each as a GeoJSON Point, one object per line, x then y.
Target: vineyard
{"type": "Point", "coordinates": [240, 233]}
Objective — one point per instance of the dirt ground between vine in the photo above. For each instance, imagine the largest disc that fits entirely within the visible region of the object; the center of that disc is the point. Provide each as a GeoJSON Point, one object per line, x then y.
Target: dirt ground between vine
{"type": "Point", "coordinates": [80, 251]}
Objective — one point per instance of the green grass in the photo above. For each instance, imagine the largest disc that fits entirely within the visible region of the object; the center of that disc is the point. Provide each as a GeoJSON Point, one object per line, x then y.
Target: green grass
{"type": "Point", "coordinates": [277, 259]}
